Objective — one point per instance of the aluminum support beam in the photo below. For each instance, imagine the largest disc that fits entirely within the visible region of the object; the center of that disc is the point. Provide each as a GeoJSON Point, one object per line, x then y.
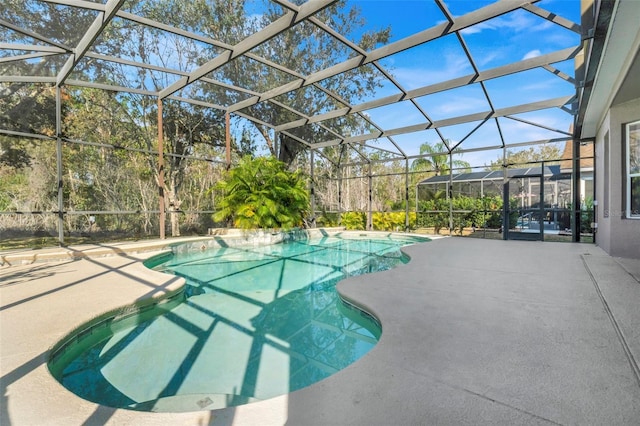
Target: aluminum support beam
{"type": "Point", "coordinates": [505, 196]}
{"type": "Point", "coordinates": [227, 139]}
{"type": "Point", "coordinates": [134, 63]}
{"type": "Point", "coordinates": [59, 166]}
{"type": "Point", "coordinates": [32, 47]}
{"type": "Point", "coordinates": [540, 125]}
{"type": "Point", "coordinates": [80, 83]}
{"type": "Point", "coordinates": [26, 79]}
{"type": "Point", "coordinates": [552, 17]}
{"type": "Point", "coordinates": [528, 64]}
{"type": "Point", "coordinates": [406, 196]}
{"type": "Point", "coordinates": [203, 39]}
{"type": "Point", "coordinates": [96, 28]}
{"type": "Point", "coordinates": [461, 141]}
{"type": "Point", "coordinates": [482, 116]}
{"type": "Point", "coordinates": [170, 29]}
{"type": "Point", "coordinates": [450, 193]}
{"type": "Point", "coordinates": [468, 20]}
{"type": "Point", "coordinates": [35, 36]}
{"type": "Point", "coordinates": [370, 200]}
{"type": "Point", "coordinates": [576, 223]}
{"type": "Point", "coordinates": [26, 57]}
{"type": "Point", "coordinates": [83, 4]}
{"type": "Point", "coordinates": [312, 187]}
{"type": "Point", "coordinates": [399, 156]}
{"type": "Point", "coordinates": [566, 77]}
{"type": "Point", "coordinates": [161, 202]}
{"type": "Point", "coordinates": [25, 135]}
{"type": "Point", "coordinates": [276, 27]}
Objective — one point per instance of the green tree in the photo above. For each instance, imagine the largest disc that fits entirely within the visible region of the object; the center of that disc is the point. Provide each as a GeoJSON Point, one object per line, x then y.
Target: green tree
{"type": "Point", "coordinates": [305, 51]}
{"type": "Point", "coordinates": [62, 24]}
{"type": "Point", "coordinates": [13, 153]}
{"type": "Point", "coordinates": [262, 193]}
{"type": "Point", "coordinates": [188, 130]}
{"type": "Point", "coordinates": [436, 159]}
{"type": "Point", "coordinates": [550, 154]}
{"type": "Point", "coordinates": [104, 177]}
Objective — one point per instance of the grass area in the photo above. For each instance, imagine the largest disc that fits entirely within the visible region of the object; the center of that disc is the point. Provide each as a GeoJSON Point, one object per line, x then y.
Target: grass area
{"type": "Point", "coordinates": [33, 243]}
{"type": "Point", "coordinates": [40, 242]}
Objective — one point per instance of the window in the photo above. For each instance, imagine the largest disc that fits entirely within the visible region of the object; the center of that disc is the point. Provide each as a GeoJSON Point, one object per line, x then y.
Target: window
{"type": "Point", "coordinates": [633, 170]}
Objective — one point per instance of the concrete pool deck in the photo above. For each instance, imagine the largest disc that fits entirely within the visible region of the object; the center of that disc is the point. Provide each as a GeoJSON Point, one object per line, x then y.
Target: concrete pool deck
{"type": "Point", "coordinates": [474, 332]}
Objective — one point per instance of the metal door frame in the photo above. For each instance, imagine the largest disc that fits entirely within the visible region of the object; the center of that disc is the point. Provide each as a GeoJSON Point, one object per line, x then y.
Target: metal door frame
{"type": "Point", "coordinates": [506, 210]}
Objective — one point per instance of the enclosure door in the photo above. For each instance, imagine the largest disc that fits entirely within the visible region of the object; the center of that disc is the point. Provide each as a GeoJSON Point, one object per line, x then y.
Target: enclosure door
{"type": "Point", "coordinates": [524, 212]}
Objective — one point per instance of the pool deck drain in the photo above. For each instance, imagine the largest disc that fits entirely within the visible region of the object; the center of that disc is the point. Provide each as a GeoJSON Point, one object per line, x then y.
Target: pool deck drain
{"type": "Point", "coordinates": [474, 332]}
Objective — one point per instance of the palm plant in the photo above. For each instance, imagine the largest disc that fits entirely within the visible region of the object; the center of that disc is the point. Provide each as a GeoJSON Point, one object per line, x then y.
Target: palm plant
{"type": "Point", "coordinates": [262, 193]}
{"type": "Point", "coordinates": [436, 159]}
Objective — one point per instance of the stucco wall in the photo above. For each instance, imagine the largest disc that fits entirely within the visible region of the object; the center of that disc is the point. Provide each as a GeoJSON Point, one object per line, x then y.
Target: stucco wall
{"type": "Point", "coordinates": [602, 195]}
{"type": "Point", "coordinates": [617, 235]}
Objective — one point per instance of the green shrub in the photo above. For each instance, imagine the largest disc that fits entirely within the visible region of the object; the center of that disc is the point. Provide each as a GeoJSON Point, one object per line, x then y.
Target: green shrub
{"type": "Point", "coordinates": [327, 220]}
{"type": "Point", "coordinates": [381, 221]}
{"type": "Point", "coordinates": [262, 193]}
{"type": "Point", "coordinates": [353, 220]}
{"type": "Point", "coordinates": [392, 221]}
{"type": "Point", "coordinates": [468, 212]}
{"type": "Point", "coordinates": [435, 214]}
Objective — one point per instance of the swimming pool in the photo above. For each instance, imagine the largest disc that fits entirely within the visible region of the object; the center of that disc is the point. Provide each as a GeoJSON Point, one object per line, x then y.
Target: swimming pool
{"type": "Point", "coordinates": [253, 322]}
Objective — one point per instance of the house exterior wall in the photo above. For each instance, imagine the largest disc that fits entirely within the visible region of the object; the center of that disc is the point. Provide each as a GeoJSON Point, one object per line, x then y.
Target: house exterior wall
{"type": "Point", "coordinates": [617, 235]}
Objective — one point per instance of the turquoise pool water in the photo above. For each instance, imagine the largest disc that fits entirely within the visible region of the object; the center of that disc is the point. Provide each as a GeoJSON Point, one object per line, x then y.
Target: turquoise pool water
{"type": "Point", "coordinates": [254, 323]}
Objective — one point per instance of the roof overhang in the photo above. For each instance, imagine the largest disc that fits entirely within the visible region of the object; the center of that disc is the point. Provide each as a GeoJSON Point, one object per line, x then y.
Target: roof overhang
{"type": "Point", "coordinates": [614, 79]}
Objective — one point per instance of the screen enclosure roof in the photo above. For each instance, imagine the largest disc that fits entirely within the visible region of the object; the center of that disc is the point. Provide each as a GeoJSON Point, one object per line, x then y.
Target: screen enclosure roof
{"type": "Point", "coordinates": [382, 77]}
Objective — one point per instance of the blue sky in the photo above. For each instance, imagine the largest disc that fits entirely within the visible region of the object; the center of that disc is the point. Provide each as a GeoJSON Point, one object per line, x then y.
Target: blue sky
{"type": "Point", "coordinates": [503, 40]}
{"type": "Point", "coordinates": [500, 41]}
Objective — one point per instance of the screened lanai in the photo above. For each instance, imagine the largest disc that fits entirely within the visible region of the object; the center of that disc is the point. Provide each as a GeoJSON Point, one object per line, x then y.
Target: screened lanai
{"type": "Point", "coordinates": [539, 202]}
{"type": "Point", "coordinates": [119, 115]}
{"type": "Point", "coordinates": [490, 183]}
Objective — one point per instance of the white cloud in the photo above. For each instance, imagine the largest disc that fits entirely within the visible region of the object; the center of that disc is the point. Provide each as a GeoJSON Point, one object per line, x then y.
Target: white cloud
{"type": "Point", "coordinates": [517, 21]}
{"type": "Point", "coordinates": [450, 66]}
{"type": "Point", "coordinates": [559, 87]}
{"type": "Point", "coordinates": [542, 26]}
{"type": "Point", "coordinates": [460, 104]}
{"type": "Point", "coordinates": [517, 131]}
{"type": "Point", "coordinates": [532, 54]}
{"type": "Point", "coordinates": [488, 57]}
{"type": "Point", "coordinates": [478, 28]}
{"type": "Point", "coordinates": [396, 115]}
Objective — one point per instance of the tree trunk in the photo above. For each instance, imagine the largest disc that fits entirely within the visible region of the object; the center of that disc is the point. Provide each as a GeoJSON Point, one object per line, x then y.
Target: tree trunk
{"type": "Point", "coordinates": [174, 206]}
{"type": "Point", "coordinates": [265, 134]}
